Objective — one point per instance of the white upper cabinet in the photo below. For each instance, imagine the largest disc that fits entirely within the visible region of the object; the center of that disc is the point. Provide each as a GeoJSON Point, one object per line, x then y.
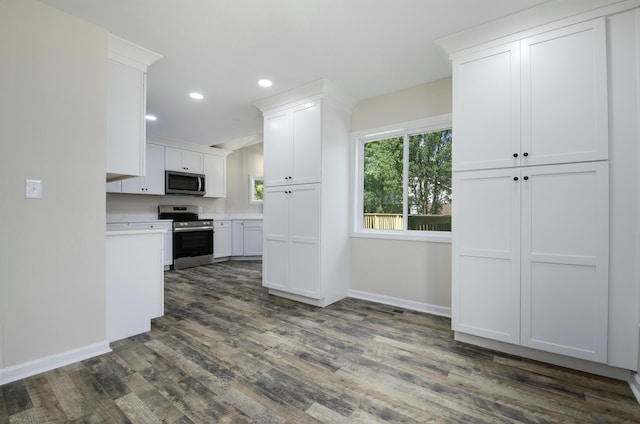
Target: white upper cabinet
{"type": "Point", "coordinates": [537, 101]}
{"type": "Point", "coordinates": [153, 181]}
{"type": "Point", "coordinates": [126, 107]}
{"type": "Point", "coordinates": [215, 176]}
{"type": "Point", "coordinates": [293, 145]}
{"type": "Point", "coordinates": [486, 109]}
{"type": "Point", "coordinates": [183, 160]}
{"type": "Point", "coordinates": [277, 148]}
{"type": "Point", "coordinates": [564, 95]}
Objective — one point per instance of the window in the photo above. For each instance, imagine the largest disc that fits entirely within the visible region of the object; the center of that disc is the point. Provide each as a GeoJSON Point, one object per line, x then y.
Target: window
{"type": "Point", "coordinates": [256, 187]}
{"type": "Point", "coordinates": [404, 179]}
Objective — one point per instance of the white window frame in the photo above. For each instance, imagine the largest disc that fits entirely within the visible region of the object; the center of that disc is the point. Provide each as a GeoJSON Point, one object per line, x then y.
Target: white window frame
{"type": "Point", "coordinates": [358, 139]}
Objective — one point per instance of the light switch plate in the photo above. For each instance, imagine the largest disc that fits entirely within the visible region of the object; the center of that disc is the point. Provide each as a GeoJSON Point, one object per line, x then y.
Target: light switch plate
{"type": "Point", "coordinates": [34, 189]}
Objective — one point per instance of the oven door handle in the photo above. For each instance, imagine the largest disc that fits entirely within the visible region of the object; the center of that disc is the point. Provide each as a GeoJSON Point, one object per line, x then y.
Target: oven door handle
{"type": "Point", "coordinates": [191, 229]}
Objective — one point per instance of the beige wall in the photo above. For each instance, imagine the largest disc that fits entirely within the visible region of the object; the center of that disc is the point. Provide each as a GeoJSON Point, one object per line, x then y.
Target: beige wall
{"type": "Point", "coordinates": [413, 271]}
{"type": "Point", "coordinates": [53, 80]}
{"type": "Point", "coordinates": [421, 101]}
{"type": "Point", "coordinates": [240, 164]}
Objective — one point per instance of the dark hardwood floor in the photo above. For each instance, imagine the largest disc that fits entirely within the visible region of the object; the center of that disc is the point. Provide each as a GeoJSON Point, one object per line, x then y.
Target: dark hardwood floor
{"type": "Point", "coordinates": [227, 352]}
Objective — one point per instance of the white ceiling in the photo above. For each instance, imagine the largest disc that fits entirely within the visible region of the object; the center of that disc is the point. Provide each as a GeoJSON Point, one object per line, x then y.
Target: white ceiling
{"type": "Point", "coordinates": [222, 47]}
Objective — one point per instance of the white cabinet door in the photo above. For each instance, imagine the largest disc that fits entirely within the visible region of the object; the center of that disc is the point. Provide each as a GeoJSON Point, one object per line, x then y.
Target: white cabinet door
{"type": "Point", "coordinates": [564, 95]}
{"type": "Point", "coordinates": [184, 160]}
{"type": "Point", "coordinates": [215, 176]}
{"type": "Point", "coordinates": [153, 181]}
{"type": "Point", "coordinates": [125, 120]}
{"type": "Point", "coordinates": [304, 239]}
{"type": "Point", "coordinates": [252, 238]}
{"type": "Point", "coordinates": [193, 161]}
{"type": "Point", "coordinates": [306, 145]}
{"type": "Point", "coordinates": [565, 259]}
{"type": "Point", "coordinates": [277, 149]}
{"type": "Point", "coordinates": [486, 254]}
{"type": "Point", "coordinates": [538, 101]}
{"type": "Point", "coordinates": [237, 237]}
{"type": "Point", "coordinates": [486, 109]}
{"type": "Point", "coordinates": [275, 259]}
{"type": "Point", "coordinates": [221, 239]}
{"type": "Point", "coordinates": [291, 254]}
{"type": "Point", "coordinates": [293, 146]}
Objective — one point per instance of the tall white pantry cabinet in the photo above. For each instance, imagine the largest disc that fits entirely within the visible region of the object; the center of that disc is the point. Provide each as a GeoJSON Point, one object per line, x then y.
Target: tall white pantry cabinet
{"type": "Point", "coordinates": [306, 187]}
{"type": "Point", "coordinates": [531, 185]}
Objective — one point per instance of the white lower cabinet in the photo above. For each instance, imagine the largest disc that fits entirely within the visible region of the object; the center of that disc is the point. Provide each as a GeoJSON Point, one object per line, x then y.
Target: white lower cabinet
{"type": "Point", "coordinates": [237, 237]}
{"type": "Point", "coordinates": [221, 239]}
{"type": "Point", "coordinates": [167, 258]}
{"type": "Point", "coordinates": [292, 239]}
{"type": "Point", "coordinates": [530, 257]}
{"type": "Point", "coordinates": [247, 238]}
{"type": "Point", "coordinates": [252, 238]}
{"type": "Point", "coordinates": [135, 282]}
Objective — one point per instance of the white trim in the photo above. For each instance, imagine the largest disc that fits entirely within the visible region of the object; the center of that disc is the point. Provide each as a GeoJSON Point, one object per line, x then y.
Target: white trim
{"type": "Point", "coordinates": [434, 122]}
{"type": "Point", "coordinates": [131, 54]}
{"type": "Point", "coordinates": [535, 20]}
{"type": "Point", "coordinates": [321, 89]}
{"type": "Point", "coordinates": [410, 235]}
{"type": "Point", "coordinates": [402, 303]}
{"type": "Point", "coordinates": [634, 384]}
{"type": "Point", "coordinates": [186, 145]}
{"type": "Point", "coordinates": [37, 366]}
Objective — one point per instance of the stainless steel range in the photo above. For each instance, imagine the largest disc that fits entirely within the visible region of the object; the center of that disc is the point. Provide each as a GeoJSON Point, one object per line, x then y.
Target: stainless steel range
{"type": "Point", "coordinates": [192, 237]}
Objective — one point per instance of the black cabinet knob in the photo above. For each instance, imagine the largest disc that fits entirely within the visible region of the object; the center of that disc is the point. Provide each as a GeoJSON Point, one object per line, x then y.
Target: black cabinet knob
{"type": "Point", "coordinates": [526, 178]}
{"type": "Point", "coordinates": [515, 178]}
{"type": "Point", "coordinates": [525, 154]}
{"type": "Point", "coordinates": [515, 155]}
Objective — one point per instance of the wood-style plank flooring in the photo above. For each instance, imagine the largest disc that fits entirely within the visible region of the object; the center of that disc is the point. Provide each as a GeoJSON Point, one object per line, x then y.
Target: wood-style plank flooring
{"type": "Point", "coordinates": [227, 352]}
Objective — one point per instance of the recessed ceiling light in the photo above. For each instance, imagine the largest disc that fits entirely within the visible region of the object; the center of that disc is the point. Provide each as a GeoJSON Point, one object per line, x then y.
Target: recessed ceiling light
{"type": "Point", "coordinates": [265, 83]}
{"type": "Point", "coordinates": [150, 117]}
{"type": "Point", "coordinates": [197, 96]}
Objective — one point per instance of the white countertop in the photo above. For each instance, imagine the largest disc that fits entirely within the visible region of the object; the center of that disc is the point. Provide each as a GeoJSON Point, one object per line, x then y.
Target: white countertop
{"type": "Point", "coordinates": [135, 232]}
{"type": "Point", "coordinates": [129, 217]}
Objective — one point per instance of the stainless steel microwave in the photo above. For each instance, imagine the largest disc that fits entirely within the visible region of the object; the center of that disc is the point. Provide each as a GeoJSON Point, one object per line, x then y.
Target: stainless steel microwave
{"type": "Point", "coordinates": [185, 183]}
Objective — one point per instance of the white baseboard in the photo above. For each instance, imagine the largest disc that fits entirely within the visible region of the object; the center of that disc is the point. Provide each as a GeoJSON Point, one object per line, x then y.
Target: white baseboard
{"type": "Point", "coordinates": [28, 369]}
{"type": "Point", "coordinates": [634, 383]}
{"type": "Point", "coordinates": [401, 303]}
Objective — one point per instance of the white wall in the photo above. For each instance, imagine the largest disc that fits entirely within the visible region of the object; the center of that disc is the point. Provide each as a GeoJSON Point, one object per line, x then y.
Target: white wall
{"type": "Point", "coordinates": [53, 80]}
{"type": "Point", "coordinates": [240, 164]}
{"type": "Point", "coordinates": [410, 271]}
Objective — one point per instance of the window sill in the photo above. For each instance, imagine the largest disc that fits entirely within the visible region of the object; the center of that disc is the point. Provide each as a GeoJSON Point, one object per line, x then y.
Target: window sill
{"type": "Point", "coordinates": [428, 236]}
